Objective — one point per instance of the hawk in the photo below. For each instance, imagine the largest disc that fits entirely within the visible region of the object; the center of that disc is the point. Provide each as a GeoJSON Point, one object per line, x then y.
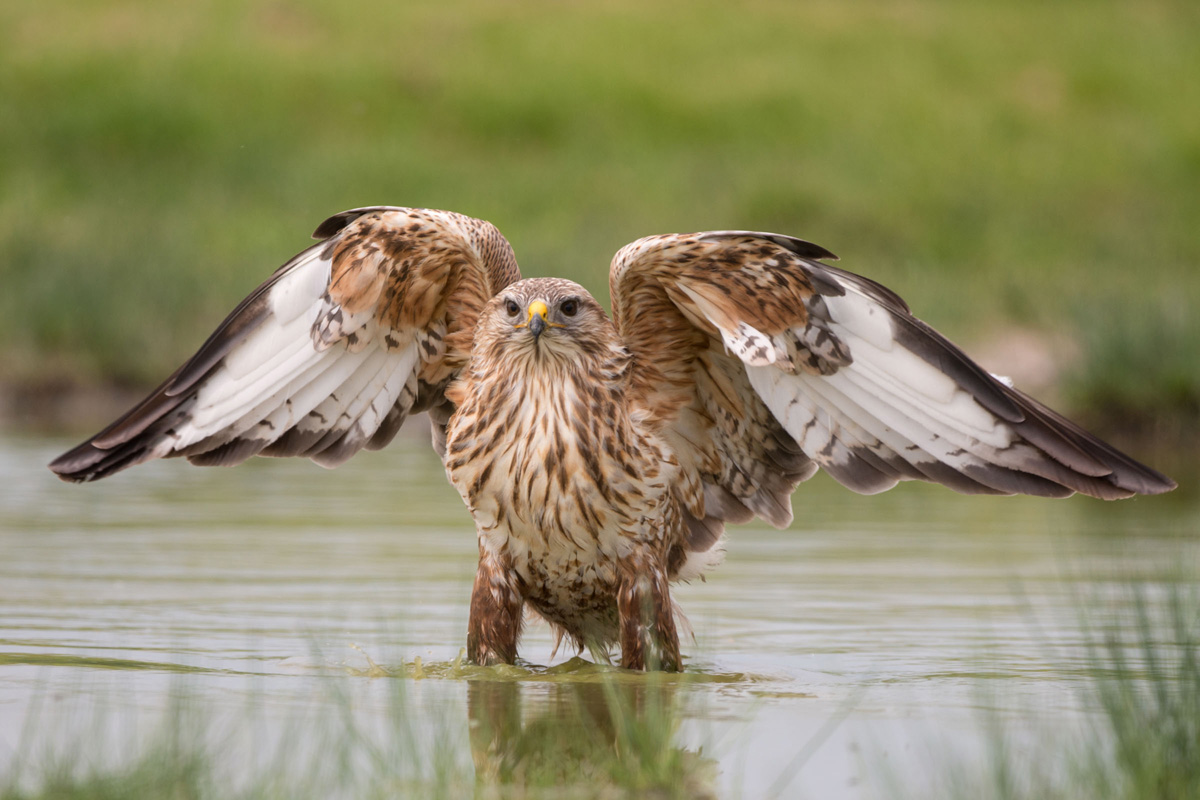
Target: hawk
{"type": "Point", "coordinates": [601, 458]}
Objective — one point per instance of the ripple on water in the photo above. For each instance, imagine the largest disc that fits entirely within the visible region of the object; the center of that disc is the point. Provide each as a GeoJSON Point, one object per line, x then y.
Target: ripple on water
{"type": "Point", "coordinates": [573, 670]}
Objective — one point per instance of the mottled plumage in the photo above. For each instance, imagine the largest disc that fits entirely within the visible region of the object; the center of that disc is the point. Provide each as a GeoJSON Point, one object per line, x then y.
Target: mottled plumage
{"type": "Point", "coordinates": [602, 459]}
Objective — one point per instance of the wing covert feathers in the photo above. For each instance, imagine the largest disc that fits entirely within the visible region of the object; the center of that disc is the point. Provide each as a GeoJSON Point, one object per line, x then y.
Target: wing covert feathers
{"type": "Point", "coordinates": [326, 357]}
{"type": "Point", "coordinates": [750, 353]}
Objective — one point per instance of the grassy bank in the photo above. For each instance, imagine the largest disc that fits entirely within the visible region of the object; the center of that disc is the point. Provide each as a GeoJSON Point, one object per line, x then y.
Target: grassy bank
{"type": "Point", "coordinates": [997, 164]}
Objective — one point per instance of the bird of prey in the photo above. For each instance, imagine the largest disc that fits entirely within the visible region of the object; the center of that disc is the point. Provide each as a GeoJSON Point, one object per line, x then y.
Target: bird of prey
{"type": "Point", "coordinates": [601, 458]}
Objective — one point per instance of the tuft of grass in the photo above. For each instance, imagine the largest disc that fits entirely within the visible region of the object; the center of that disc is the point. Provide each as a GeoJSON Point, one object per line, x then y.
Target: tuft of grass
{"type": "Point", "coordinates": [1150, 695]}
{"type": "Point", "coordinates": [1143, 742]}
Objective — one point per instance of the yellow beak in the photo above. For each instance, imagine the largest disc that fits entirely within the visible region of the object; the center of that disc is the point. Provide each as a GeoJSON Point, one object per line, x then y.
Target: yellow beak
{"type": "Point", "coordinates": [537, 317]}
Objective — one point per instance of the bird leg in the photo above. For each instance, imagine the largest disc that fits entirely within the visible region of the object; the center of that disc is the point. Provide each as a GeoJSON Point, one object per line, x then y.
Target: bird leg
{"type": "Point", "coordinates": [494, 625]}
{"type": "Point", "coordinates": [648, 637]}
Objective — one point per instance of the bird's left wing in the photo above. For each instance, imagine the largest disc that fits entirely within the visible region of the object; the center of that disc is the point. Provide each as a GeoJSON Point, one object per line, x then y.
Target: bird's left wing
{"type": "Point", "coordinates": [326, 357]}
{"type": "Point", "coordinates": [759, 363]}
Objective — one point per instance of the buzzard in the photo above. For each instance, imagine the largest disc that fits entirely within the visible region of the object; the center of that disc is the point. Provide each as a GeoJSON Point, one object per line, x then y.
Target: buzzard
{"type": "Point", "coordinates": [601, 458]}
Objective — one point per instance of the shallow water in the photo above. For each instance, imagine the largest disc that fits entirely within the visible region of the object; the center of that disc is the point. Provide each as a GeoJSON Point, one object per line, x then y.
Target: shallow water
{"type": "Point", "coordinates": [871, 633]}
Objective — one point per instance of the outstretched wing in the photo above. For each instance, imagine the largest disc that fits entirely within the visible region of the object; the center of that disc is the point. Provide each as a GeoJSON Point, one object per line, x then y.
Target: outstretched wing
{"type": "Point", "coordinates": [329, 355]}
{"type": "Point", "coordinates": [760, 363]}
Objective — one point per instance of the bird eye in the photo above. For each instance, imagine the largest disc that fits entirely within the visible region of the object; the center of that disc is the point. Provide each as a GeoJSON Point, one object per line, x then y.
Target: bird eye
{"type": "Point", "coordinates": [512, 308]}
{"type": "Point", "coordinates": [569, 307]}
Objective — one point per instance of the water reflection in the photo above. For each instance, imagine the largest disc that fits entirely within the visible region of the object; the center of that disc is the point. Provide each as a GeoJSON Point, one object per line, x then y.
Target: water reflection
{"type": "Point", "coordinates": [576, 734]}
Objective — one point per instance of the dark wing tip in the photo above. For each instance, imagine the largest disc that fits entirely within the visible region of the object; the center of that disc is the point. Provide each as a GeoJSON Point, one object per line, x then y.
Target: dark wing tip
{"type": "Point", "coordinates": [1070, 444]}
{"type": "Point", "coordinates": [801, 247]}
{"type": "Point", "coordinates": [87, 462]}
{"type": "Point", "coordinates": [1137, 478]}
{"type": "Point", "coordinates": [340, 220]}
{"type": "Point", "coordinates": [1154, 482]}
{"type": "Point", "coordinates": [72, 466]}
{"type": "Point", "coordinates": [122, 444]}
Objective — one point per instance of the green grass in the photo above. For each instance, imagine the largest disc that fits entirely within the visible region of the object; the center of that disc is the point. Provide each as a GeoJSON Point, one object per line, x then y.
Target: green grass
{"type": "Point", "coordinates": [991, 162]}
{"type": "Point", "coordinates": [1151, 702]}
{"type": "Point", "coordinates": [1143, 688]}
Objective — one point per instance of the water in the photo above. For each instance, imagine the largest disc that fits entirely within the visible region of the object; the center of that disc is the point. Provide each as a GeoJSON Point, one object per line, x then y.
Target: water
{"type": "Point", "coordinates": [872, 633]}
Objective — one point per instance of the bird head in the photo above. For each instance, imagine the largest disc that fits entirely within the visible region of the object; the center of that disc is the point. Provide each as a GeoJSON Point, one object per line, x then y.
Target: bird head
{"type": "Point", "coordinates": [545, 318]}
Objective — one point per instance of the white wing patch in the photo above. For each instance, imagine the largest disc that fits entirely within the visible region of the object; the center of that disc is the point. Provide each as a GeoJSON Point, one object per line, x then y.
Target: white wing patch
{"type": "Point", "coordinates": [884, 366]}
{"type": "Point", "coordinates": [294, 296]}
{"type": "Point", "coordinates": [327, 356]}
{"type": "Point", "coordinates": [856, 312]}
{"type": "Point", "coordinates": [887, 414]}
{"type": "Point", "coordinates": [292, 376]}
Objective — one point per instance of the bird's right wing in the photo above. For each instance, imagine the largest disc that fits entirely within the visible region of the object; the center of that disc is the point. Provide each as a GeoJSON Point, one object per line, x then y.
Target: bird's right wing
{"type": "Point", "coordinates": [329, 355]}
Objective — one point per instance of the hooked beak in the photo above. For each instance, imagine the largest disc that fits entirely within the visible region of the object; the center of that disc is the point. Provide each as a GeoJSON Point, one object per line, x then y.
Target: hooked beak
{"type": "Point", "coordinates": [537, 318]}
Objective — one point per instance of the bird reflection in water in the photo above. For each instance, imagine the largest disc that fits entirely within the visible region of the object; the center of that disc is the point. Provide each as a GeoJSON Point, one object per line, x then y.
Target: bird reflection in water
{"type": "Point", "coordinates": [600, 734]}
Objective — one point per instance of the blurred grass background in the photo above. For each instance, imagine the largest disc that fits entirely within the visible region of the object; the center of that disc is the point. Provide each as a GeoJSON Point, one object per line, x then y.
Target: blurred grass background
{"type": "Point", "coordinates": [1019, 166]}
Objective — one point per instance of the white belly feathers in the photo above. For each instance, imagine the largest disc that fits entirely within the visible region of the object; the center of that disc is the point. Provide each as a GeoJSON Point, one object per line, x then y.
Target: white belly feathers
{"type": "Point", "coordinates": [546, 492]}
